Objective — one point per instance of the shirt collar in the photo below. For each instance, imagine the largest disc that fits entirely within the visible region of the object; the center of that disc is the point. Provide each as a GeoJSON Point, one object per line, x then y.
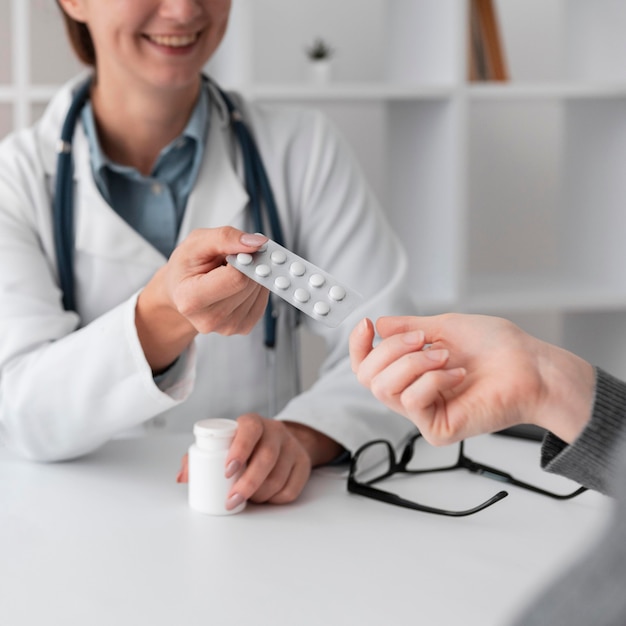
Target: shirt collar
{"type": "Point", "coordinates": [198, 122]}
{"type": "Point", "coordinates": [196, 129]}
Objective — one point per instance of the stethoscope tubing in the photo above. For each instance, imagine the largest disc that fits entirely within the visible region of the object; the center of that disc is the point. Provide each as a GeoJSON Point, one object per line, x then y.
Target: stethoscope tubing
{"type": "Point", "coordinates": [255, 179]}
{"type": "Point", "coordinates": [63, 203]}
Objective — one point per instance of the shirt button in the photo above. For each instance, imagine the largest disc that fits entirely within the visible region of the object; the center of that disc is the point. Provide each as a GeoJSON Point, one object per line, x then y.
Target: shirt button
{"type": "Point", "coordinates": [181, 143]}
{"type": "Point", "coordinates": [157, 188]}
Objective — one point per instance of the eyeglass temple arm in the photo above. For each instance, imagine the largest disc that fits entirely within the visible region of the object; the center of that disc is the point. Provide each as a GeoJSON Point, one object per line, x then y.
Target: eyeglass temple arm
{"type": "Point", "coordinates": [392, 498]}
{"type": "Point", "coordinates": [496, 474]}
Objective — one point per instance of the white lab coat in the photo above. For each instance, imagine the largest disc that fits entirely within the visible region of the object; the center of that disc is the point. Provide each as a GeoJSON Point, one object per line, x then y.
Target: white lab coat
{"type": "Point", "coordinates": [69, 383]}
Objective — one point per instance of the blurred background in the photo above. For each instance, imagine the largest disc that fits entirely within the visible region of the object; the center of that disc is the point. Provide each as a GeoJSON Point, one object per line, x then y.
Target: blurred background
{"type": "Point", "coordinates": [508, 194]}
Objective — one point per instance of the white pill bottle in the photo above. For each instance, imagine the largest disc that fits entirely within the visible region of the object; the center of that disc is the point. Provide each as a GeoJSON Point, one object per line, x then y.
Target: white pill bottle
{"type": "Point", "coordinates": [208, 486]}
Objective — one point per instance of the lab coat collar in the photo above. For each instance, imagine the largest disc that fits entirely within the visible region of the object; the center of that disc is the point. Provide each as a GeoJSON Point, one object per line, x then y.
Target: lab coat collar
{"type": "Point", "coordinates": [48, 129]}
{"type": "Point", "coordinates": [216, 200]}
{"type": "Point", "coordinates": [218, 196]}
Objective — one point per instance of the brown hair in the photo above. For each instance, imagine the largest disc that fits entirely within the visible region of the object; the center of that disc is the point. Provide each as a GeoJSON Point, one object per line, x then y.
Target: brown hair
{"type": "Point", "coordinates": [80, 39]}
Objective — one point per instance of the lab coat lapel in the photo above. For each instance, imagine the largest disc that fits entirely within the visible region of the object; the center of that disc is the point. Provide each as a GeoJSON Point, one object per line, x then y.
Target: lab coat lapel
{"type": "Point", "coordinates": [218, 197]}
{"type": "Point", "coordinates": [100, 231]}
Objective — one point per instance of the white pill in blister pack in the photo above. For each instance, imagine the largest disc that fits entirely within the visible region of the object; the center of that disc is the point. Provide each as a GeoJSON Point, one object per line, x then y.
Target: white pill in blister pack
{"type": "Point", "coordinates": [302, 284]}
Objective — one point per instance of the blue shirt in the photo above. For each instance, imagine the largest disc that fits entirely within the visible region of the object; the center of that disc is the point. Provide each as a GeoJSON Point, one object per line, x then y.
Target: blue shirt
{"type": "Point", "coordinates": [153, 205]}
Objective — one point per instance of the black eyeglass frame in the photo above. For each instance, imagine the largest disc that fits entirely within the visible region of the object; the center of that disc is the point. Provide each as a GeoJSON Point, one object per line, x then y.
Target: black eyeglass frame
{"type": "Point", "coordinates": [367, 489]}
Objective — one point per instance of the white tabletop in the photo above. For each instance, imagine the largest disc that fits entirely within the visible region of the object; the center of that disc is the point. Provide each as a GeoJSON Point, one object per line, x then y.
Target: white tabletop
{"type": "Point", "coordinates": [110, 540]}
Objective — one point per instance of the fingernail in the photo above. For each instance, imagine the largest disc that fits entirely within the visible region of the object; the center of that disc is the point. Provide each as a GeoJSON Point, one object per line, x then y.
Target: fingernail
{"type": "Point", "coordinates": [234, 501]}
{"type": "Point", "coordinates": [252, 239]}
{"type": "Point", "coordinates": [232, 468]}
{"type": "Point", "coordinates": [437, 355]}
{"type": "Point", "coordinates": [458, 373]}
{"type": "Point", "coordinates": [414, 338]}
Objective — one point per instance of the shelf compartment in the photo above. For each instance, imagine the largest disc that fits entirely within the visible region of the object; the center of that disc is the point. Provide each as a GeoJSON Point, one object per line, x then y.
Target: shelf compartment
{"type": "Point", "coordinates": [424, 42]}
{"type": "Point", "coordinates": [6, 119]}
{"type": "Point", "coordinates": [396, 42]}
{"type": "Point", "coordinates": [514, 190]}
{"type": "Point", "coordinates": [6, 42]}
{"type": "Point", "coordinates": [592, 217]}
{"type": "Point", "coordinates": [52, 60]}
{"type": "Point", "coordinates": [579, 41]}
{"type": "Point", "coordinates": [594, 42]}
{"type": "Point", "coordinates": [425, 191]}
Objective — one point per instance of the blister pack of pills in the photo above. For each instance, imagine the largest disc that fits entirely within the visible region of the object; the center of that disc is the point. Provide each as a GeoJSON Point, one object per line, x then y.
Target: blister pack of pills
{"type": "Point", "coordinates": [302, 284]}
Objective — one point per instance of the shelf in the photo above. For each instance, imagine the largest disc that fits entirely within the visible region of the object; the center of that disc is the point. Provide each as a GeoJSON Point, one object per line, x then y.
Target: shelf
{"type": "Point", "coordinates": [36, 93]}
{"type": "Point", "coordinates": [7, 94]}
{"type": "Point", "coordinates": [346, 91]}
{"type": "Point", "coordinates": [548, 91]}
{"type": "Point", "coordinates": [551, 292]}
{"type": "Point", "coordinates": [381, 92]}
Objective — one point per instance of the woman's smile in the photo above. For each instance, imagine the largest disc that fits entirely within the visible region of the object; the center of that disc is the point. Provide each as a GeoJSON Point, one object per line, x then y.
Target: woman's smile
{"type": "Point", "coordinates": [173, 43]}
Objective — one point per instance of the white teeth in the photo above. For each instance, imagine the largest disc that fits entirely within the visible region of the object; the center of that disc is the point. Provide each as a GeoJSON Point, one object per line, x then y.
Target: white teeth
{"type": "Point", "coordinates": [174, 41]}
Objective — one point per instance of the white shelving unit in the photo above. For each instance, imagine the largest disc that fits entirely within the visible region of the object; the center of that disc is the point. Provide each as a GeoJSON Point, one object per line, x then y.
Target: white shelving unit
{"type": "Point", "coordinates": [508, 196]}
{"type": "Point", "coordinates": [544, 221]}
{"type": "Point", "coordinates": [35, 59]}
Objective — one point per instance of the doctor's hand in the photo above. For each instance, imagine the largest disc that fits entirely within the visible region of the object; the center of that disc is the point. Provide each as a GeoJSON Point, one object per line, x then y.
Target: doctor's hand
{"type": "Point", "coordinates": [456, 376]}
{"type": "Point", "coordinates": [278, 458]}
{"type": "Point", "coordinates": [196, 291]}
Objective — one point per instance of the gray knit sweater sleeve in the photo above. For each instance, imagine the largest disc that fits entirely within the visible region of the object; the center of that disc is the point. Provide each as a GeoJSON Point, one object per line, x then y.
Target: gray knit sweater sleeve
{"type": "Point", "coordinates": [591, 459]}
{"type": "Point", "coordinates": [592, 590]}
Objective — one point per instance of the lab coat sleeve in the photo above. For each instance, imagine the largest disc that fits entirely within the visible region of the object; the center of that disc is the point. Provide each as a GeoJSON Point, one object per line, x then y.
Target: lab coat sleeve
{"type": "Point", "coordinates": [339, 225]}
{"type": "Point", "coordinates": [53, 405]}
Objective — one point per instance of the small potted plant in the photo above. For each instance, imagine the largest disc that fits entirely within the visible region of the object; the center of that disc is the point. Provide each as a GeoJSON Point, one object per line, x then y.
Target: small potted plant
{"type": "Point", "coordinates": [320, 54]}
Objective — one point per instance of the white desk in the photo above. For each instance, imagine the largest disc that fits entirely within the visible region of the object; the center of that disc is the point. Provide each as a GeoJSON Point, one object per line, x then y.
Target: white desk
{"type": "Point", "coordinates": [109, 540]}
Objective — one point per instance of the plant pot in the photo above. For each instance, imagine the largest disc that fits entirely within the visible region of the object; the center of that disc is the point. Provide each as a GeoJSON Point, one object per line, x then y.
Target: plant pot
{"type": "Point", "coordinates": [320, 71]}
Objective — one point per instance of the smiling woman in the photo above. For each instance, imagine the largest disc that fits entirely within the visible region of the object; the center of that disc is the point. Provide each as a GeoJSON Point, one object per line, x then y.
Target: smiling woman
{"type": "Point", "coordinates": [81, 39]}
{"type": "Point", "coordinates": [148, 54]}
{"type": "Point", "coordinates": [145, 37]}
{"type": "Point", "coordinates": [161, 332]}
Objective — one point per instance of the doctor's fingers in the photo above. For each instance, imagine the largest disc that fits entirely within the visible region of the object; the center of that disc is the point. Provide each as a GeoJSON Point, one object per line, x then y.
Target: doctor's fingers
{"type": "Point", "coordinates": [183, 472]}
{"type": "Point", "coordinates": [223, 305]}
{"type": "Point", "coordinates": [286, 480]}
{"type": "Point", "coordinates": [277, 466]}
{"type": "Point", "coordinates": [194, 293]}
{"type": "Point", "coordinates": [205, 248]}
{"type": "Point", "coordinates": [235, 315]}
{"type": "Point", "coordinates": [243, 319]}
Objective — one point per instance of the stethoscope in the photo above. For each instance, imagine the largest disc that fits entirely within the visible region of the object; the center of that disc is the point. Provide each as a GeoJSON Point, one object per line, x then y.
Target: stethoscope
{"type": "Point", "coordinates": [255, 178]}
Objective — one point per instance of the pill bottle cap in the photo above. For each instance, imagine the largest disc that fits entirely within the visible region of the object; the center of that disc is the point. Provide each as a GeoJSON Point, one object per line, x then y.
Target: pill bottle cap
{"type": "Point", "coordinates": [214, 434]}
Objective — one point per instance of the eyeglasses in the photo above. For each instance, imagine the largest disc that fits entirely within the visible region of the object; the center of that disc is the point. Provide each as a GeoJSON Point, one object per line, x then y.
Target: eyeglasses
{"type": "Point", "coordinates": [376, 460]}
